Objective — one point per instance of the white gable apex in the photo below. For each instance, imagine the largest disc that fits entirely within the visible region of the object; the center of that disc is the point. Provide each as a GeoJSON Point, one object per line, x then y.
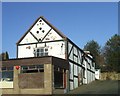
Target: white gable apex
{"type": "Point", "coordinates": [41, 31]}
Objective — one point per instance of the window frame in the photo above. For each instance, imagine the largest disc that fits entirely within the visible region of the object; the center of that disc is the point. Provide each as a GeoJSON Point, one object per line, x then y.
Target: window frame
{"type": "Point", "coordinates": [41, 51]}
{"type": "Point", "coordinates": [28, 68]}
{"type": "Point", "coordinates": [7, 70]}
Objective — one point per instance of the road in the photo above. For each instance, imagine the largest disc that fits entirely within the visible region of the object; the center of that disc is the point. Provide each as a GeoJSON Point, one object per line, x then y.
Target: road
{"type": "Point", "coordinates": [99, 87]}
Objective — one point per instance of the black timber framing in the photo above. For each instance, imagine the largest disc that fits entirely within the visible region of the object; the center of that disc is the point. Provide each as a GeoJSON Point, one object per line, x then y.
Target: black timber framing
{"type": "Point", "coordinates": [70, 51]}
{"type": "Point", "coordinates": [76, 63]}
{"type": "Point", "coordinates": [53, 27]}
{"type": "Point", "coordinates": [17, 52]}
{"type": "Point", "coordinates": [75, 76]}
{"type": "Point", "coordinates": [73, 65]}
{"type": "Point", "coordinates": [60, 33]}
{"type": "Point", "coordinates": [83, 57]}
{"type": "Point", "coordinates": [71, 80]}
{"type": "Point", "coordinates": [41, 42]}
{"type": "Point", "coordinates": [46, 21]}
{"type": "Point", "coordinates": [66, 49]}
{"type": "Point", "coordinates": [27, 31]}
{"type": "Point", "coordinates": [78, 48]}
{"type": "Point", "coordinates": [46, 34]}
{"type": "Point", "coordinates": [90, 70]}
{"type": "Point", "coordinates": [34, 36]}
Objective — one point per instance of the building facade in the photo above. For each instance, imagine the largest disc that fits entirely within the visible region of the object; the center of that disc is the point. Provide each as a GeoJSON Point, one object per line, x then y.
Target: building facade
{"type": "Point", "coordinates": [46, 55]}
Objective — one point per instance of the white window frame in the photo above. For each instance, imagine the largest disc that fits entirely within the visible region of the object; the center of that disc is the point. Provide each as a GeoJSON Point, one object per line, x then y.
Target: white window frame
{"type": "Point", "coordinates": [41, 51]}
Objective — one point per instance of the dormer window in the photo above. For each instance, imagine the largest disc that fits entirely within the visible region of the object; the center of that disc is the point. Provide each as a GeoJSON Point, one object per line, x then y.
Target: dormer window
{"type": "Point", "coordinates": [41, 52]}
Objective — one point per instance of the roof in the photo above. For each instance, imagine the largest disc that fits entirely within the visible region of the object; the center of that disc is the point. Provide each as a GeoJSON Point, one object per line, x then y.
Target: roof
{"type": "Point", "coordinates": [46, 21]}
{"type": "Point", "coordinates": [62, 63]}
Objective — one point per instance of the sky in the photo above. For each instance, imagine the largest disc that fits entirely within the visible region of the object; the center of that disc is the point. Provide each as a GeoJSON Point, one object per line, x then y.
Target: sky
{"type": "Point", "coordinates": [79, 21]}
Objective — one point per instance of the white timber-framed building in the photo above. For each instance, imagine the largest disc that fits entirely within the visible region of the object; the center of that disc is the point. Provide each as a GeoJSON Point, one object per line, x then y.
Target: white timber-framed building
{"type": "Point", "coordinates": [45, 52]}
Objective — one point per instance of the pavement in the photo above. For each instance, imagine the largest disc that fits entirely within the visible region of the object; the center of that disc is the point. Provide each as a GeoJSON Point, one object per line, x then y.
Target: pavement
{"type": "Point", "coordinates": [99, 87]}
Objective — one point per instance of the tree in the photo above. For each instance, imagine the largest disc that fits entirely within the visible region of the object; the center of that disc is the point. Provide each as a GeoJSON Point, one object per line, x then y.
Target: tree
{"type": "Point", "coordinates": [94, 49]}
{"type": "Point", "coordinates": [4, 56]}
{"type": "Point", "coordinates": [112, 53]}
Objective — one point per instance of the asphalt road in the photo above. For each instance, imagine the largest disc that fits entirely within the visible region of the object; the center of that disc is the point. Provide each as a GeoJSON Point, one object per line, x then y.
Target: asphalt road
{"type": "Point", "coordinates": [99, 87]}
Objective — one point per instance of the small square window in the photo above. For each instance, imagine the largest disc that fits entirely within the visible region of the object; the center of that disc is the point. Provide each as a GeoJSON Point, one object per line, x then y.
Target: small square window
{"type": "Point", "coordinates": [37, 32]}
{"type": "Point", "coordinates": [40, 28]}
{"type": "Point", "coordinates": [43, 31]}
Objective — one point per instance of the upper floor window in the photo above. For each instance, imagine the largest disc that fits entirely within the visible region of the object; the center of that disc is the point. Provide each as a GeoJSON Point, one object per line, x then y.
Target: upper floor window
{"type": "Point", "coordinates": [41, 52]}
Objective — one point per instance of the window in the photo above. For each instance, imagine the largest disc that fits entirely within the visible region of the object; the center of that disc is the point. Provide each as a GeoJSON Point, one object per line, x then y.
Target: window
{"type": "Point", "coordinates": [43, 31]}
{"type": "Point", "coordinates": [41, 52]}
{"type": "Point", "coordinates": [40, 28]}
{"type": "Point", "coordinates": [32, 68]}
{"type": "Point", "coordinates": [37, 32]}
{"type": "Point", "coordinates": [7, 73]}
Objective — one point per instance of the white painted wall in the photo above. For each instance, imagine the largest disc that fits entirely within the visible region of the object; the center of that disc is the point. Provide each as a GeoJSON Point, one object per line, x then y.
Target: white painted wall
{"type": "Point", "coordinates": [6, 84]}
{"type": "Point", "coordinates": [71, 85]}
{"type": "Point", "coordinates": [56, 49]}
{"type": "Point", "coordinates": [97, 74]}
{"type": "Point", "coordinates": [75, 82]}
{"type": "Point", "coordinates": [79, 57]}
{"type": "Point", "coordinates": [75, 70]}
{"type": "Point", "coordinates": [80, 74]}
{"type": "Point", "coordinates": [26, 51]}
{"type": "Point", "coordinates": [85, 73]}
{"type": "Point", "coordinates": [71, 70]}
